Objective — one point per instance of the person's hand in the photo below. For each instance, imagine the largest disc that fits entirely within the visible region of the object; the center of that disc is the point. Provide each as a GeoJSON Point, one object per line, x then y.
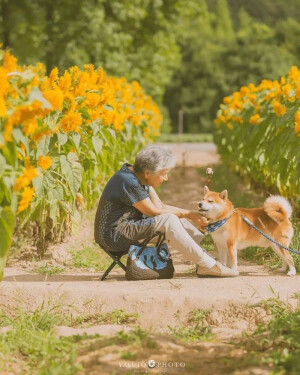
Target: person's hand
{"type": "Point", "coordinates": [198, 219]}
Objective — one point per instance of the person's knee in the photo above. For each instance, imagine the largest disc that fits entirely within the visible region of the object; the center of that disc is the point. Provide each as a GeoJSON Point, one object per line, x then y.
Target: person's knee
{"type": "Point", "coordinates": [185, 222]}
{"type": "Point", "coordinates": [173, 218]}
{"type": "Point", "coordinates": [173, 222]}
{"type": "Point", "coordinates": [169, 220]}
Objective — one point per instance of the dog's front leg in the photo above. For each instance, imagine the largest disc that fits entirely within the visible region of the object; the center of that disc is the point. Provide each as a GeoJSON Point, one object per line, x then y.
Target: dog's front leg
{"type": "Point", "coordinates": [220, 241]}
{"type": "Point", "coordinates": [232, 255]}
{"type": "Point", "coordinates": [222, 251]}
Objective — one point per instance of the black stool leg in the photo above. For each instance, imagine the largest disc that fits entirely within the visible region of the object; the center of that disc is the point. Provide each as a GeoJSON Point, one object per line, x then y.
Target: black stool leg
{"type": "Point", "coordinates": [116, 260]}
{"type": "Point", "coordinates": [121, 264]}
{"type": "Point", "coordinates": [108, 270]}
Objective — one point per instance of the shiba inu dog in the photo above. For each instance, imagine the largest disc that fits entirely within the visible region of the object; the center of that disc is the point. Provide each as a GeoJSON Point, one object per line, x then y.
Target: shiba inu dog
{"type": "Point", "coordinates": [231, 233]}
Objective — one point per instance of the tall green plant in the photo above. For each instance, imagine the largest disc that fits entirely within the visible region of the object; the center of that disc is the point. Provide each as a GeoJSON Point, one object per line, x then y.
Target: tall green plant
{"type": "Point", "coordinates": [61, 138]}
{"type": "Point", "coordinates": [258, 133]}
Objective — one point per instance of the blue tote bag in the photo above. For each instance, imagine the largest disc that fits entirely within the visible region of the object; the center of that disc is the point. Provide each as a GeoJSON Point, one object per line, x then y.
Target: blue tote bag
{"type": "Point", "coordinates": [150, 262]}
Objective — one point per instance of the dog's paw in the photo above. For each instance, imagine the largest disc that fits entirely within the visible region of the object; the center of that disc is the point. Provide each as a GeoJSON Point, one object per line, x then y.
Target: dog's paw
{"type": "Point", "coordinates": [283, 268]}
{"type": "Point", "coordinates": [292, 272]}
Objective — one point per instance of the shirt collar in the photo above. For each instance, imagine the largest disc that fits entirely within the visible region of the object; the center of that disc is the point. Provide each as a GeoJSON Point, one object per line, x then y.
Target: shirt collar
{"type": "Point", "coordinates": [126, 169]}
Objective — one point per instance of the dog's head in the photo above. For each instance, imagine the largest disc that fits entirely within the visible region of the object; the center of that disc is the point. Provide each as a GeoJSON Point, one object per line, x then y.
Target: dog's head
{"type": "Point", "coordinates": [214, 205]}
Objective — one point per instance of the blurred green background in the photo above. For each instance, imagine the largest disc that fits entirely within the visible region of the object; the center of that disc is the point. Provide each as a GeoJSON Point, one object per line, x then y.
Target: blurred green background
{"type": "Point", "coordinates": [187, 54]}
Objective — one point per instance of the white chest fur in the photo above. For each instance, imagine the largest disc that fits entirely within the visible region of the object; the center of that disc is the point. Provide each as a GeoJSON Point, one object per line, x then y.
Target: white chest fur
{"type": "Point", "coordinates": [220, 237]}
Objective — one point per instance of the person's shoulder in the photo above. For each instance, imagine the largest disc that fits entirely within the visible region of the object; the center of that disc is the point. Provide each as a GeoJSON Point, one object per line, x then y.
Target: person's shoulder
{"type": "Point", "coordinates": [128, 178]}
{"type": "Point", "coordinates": [125, 175]}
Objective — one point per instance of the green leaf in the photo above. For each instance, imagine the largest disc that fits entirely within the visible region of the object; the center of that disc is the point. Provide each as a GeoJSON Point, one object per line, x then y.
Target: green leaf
{"type": "Point", "coordinates": [261, 158]}
{"type": "Point", "coordinates": [2, 165]}
{"type": "Point", "coordinates": [53, 210]}
{"type": "Point", "coordinates": [85, 113]}
{"type": "Point", "coordinates": [26, 75]}
{"type": "Point", "coordinates": [62, 138]}
{"type": "Point", "coordinates": [38, 185]}
{"type": "Point", "coordinates": [58, 192]}
{"type": "Point", "coordinates": [76, 139]}
{"type": "Point", "coordinates": [10, 153]}
{"type": "Point", "coordinates": [32, 214]}
{"type": "Point", "coordinates": [112, 132]}
{"type": "Point", "coordinates": [36, 94]}
{"type": "Point", "coordinates": [92, 155]}
{"type": "Point", "coordinates": [65, 207]}
{"type": "Point", "coordinates": [43, 183]}
{"type": "Point", "coordinates": [1, 138]}
{"type": "Point", "coordinates": [43, 146]}
{"type": "Point", "coordinates": [18, 135]}
{"type": "Point", "coordinates": [7, 223]}
{"type": "Point", "coordinates": [97, 143]}
{"type": "Point", "coordinates": [95, 126]}
{"type": "Point", "coordinates": [53, 141]}
{"type": "Point", "coordinates": [72, 171]}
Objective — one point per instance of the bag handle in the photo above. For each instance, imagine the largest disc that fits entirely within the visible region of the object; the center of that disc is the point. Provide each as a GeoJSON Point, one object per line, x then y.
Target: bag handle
{"type": "Point", "coordinates": [161, 237]}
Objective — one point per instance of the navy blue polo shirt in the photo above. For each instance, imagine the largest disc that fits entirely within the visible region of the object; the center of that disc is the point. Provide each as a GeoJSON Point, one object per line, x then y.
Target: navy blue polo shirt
{"type": "Point", "coordinates": [118, 224]}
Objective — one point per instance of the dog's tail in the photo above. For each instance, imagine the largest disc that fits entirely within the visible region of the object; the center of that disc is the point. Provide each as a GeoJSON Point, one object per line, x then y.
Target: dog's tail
{"type": "Point", "coordinates": [277, 208]}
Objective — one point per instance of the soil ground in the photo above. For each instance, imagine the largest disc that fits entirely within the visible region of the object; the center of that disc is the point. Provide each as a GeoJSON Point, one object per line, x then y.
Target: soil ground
{"type": "Point", "coordinates": [161, 304]}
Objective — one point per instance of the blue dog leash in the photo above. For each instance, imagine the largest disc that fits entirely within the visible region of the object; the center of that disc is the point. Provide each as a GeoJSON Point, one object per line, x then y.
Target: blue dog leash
{"type": "Point", "coordinates": [268, 237]}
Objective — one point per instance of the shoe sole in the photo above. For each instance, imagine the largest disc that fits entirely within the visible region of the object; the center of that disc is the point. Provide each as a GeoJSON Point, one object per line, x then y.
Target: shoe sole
{"type": "Point", "coordinates": [213, 276]}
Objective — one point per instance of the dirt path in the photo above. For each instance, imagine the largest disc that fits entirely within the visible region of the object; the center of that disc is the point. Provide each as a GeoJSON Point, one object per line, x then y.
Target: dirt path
{"type": "Point", "coordinates": [194, 154]}
{"type": "Point", "coordinates": [182, 293]}
{"type": "Point", "coordinates": [160, 303]}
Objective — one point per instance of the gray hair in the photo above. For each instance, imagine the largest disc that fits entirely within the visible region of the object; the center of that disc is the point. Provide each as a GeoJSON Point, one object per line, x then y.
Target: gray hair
{"type": "Point", "coordinates": [154, 159]}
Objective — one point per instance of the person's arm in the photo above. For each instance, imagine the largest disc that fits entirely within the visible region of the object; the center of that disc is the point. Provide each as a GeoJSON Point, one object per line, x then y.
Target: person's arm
{"type": "Point", "coordinates": [159, 204]}
{"type": "Point", "coordinates": [153, 206]}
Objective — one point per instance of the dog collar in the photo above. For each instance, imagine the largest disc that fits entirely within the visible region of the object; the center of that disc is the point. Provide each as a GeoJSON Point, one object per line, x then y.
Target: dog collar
{"type": "Point", "coordinates": [214, 226]}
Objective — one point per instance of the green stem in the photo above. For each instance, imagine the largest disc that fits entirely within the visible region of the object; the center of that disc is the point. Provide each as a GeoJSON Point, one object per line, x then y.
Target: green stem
{"type": "Point", "coordinates": [59, 175]}
{"type": "Point", "coordinates": [60, 230]}
{"type": "Point", "coordinates": [2, 265]}
{"type": "Point", "coordinates": [42, 227]}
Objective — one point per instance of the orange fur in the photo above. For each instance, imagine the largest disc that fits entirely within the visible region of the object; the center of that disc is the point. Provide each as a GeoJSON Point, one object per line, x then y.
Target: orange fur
{"type": "Point", "coordinates": [236, 234]}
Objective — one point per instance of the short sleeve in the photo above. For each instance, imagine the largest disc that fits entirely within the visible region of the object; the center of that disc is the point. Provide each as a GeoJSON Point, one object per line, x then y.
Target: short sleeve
{"type": "Point", "coordinates": [132, 193]}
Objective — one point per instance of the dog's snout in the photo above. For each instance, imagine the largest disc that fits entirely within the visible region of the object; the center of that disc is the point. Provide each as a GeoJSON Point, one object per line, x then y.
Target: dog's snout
{"type": "Point", "coordinates": [200, 204]}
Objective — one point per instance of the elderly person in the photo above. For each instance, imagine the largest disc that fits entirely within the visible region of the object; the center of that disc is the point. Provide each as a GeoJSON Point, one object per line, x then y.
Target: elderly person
{"type": "Point", "coordinates": [130, 211]}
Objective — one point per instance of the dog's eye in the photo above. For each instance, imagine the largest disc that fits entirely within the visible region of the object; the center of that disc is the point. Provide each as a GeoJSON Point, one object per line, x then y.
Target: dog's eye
{"type": "Point", "coordinates": [210, 201]}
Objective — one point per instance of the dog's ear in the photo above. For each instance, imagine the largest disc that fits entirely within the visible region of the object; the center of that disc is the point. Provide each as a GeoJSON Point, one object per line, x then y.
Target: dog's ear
{"type": "Point", "coordinates": [224, 194]}
{"type": "Point", "coordinates": [206, 190]}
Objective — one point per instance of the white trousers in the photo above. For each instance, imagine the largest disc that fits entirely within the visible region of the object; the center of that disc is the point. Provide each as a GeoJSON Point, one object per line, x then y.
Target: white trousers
{"type": "Point", "coordinates": [184, 237]}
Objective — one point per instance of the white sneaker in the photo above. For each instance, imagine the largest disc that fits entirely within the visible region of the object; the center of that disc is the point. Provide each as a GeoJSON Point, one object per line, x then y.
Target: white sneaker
{"type": "Point", "coordinates": [218, 270]}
